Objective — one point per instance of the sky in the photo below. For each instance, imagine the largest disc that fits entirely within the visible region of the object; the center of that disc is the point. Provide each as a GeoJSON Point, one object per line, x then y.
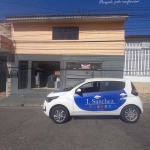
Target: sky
{"type": "Point", "coordinates": [138, 10]}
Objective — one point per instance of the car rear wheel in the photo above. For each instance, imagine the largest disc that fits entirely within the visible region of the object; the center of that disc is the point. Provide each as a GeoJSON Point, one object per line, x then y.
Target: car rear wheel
{"type": "Point", "coordinates": [130, 114]}
{"type": "Point", "coordinates": [59, 114]}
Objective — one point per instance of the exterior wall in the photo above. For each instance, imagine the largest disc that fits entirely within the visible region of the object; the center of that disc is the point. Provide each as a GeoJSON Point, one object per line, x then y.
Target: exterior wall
{"type": "Point", "coordinates": [137, 62]}
{"type": "Point", "coordinates": [8, 71]}
{"type": "Point", "coordinates": [6, 45]}
{"type": "Point", "coordinates": [145, 79]}
{"type": "Point", "coordinates": [7, 50]}
{"type": "Point", "coordinates": [137, 57]}
{"type": "Point", "coordinates": [5, 29]}
{"type": "Point", "coordinates": [112, 66]}
{"type": "Point", "coordinates": [98, 42]}
{"type": "Point", "coordinates": [142, 87]}
{"type": "Point", "coordinates": [94, 39]}
{"type": "Point", "coordinates": [142, 84]}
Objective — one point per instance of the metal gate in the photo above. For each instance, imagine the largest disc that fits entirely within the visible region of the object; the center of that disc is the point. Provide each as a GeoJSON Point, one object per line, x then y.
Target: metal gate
{"type": "Point", "coordinates": [3, 73]}
{"type": "Point", "coordinates": [137, 62]}
{"type": "Point", "coordinates": [74, 76]}
{"type": "Point", "coordinates": [77, 71]}
{"type": "Point", "coordinates": [23, 75]}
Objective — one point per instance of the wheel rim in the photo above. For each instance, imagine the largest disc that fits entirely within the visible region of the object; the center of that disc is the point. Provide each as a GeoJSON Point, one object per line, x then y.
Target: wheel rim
{"type": "Point", "coordinates": [131, 114]}
{"type": "Point", "coordinates": [59, 115]}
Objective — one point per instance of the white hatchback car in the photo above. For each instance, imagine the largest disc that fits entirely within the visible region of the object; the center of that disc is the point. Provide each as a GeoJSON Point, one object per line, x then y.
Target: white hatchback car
{"type": "Point", "coordinates": [95, 96]}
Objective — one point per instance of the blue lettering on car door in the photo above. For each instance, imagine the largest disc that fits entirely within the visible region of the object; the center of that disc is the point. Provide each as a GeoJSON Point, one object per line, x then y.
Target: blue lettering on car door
{"type": "Point", "coordinates": [88, 101]}
{"type": "Point", "coordinates": [114, 99]}
{"type": "Point", "coordinates": [100, 101]}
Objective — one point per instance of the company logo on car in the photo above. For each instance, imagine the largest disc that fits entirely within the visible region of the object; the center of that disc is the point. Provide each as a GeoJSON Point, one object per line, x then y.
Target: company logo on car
{"type": "Point", "coordinates": [99, 102]}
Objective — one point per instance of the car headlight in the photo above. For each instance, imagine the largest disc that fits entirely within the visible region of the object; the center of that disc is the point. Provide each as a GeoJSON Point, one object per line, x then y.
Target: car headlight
{"type": "Point", "coordinates": [49, 99]}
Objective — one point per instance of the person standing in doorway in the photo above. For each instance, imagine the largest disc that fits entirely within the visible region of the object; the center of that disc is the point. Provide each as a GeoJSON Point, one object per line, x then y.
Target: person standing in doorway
{"type": "Point", "coordinates": [50, 80]}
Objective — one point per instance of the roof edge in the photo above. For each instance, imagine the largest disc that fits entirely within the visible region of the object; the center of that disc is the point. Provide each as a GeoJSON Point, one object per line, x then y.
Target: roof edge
{"type": "Point", "coordinates": [137, 35]}
{"type": "Point", "coordinates": [79, 16]}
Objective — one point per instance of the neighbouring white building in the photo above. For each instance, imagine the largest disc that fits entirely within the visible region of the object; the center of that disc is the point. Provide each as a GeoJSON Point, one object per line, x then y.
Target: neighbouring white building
{"type": "Point", "coordinates": [137, 61]}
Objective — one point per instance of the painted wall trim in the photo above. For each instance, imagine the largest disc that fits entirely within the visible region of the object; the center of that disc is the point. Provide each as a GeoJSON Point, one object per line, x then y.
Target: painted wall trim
{"type": "Point", "coordinates": [138, 79]}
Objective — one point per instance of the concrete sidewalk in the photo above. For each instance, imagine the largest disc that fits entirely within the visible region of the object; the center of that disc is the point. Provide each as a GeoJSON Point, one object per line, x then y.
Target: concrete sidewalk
{"type": "Point", "coordinates": [17, 101]}
{"type": "Point", "coordinates": [25, 98]}
{"type": "Point", "coordinates": [28, 100]}
{"type": "Point", "coordinates": [145, 97]}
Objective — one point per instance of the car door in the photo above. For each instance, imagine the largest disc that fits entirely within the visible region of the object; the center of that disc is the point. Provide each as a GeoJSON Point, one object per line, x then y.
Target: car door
{"type": "Point", "coordinates": [87, 101]}
{"type": "Point", "coordinates": [114, 95]}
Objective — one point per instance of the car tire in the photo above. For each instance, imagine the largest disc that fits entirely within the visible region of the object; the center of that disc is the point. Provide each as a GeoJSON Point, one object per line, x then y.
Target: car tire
{"type": "Point", "coordinates": [59, 114]}
{"type": "Point", "coordinates": [130, 114]}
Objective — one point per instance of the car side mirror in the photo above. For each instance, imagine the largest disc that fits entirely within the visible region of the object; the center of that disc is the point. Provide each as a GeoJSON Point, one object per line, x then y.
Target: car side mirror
{"type": "Point", "coordinates": [78, 91]}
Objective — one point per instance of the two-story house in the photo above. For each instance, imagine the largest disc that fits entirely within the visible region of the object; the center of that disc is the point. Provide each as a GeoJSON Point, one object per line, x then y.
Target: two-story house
{"type": "Point", "coordinates": [56, 51]}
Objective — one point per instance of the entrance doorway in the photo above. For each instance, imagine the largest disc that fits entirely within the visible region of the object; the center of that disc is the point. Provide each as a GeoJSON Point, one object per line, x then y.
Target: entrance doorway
{"type": "Point", "coordinates": [3, 73]}
{"type": "Point", "coordinates": [45, 74]}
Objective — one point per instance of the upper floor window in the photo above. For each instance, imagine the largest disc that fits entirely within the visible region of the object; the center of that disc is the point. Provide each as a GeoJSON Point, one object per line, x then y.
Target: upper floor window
{"type": "Point", "coordinates": [65, 33]}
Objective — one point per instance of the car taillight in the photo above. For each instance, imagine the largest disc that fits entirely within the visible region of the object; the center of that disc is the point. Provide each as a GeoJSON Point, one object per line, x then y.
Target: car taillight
{"type": "Point", "coordinates": [134, 91]}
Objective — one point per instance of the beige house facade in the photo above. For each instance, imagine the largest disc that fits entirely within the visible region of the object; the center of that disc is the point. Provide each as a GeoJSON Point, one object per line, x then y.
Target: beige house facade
{"type": "Point", "coordinates": [56, 51]}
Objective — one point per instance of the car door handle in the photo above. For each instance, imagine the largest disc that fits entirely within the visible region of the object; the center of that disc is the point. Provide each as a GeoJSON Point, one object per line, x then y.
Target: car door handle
{"type": "Point", "coordinates": [123, 94]}
{"type": "Point", "coordinates": [97, 97]}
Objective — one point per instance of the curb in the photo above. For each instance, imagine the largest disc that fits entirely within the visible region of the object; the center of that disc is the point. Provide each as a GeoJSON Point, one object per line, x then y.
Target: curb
{"type": "Point", "coordinates": [146, 103]}
{"type": "Point", "coordinates": [20, 105]}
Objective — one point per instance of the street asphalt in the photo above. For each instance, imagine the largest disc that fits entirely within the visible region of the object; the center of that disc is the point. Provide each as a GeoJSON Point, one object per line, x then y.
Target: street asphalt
{"type": "Point", "coordinates": [27, 128]}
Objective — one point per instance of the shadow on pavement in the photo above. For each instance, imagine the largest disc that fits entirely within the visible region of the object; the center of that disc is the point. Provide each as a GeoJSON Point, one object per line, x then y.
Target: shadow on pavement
{"type": "Point", "coordinates": [96, 117]}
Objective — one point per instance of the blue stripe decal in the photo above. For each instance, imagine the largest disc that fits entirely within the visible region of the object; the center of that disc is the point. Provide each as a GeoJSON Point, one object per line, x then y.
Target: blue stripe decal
{"type": "Point", "coordinates": [100, 101]}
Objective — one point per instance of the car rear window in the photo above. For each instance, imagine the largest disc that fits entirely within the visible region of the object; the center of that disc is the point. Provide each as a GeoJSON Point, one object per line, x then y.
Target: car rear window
{"type": "Point", "coordinates": [112, 85]}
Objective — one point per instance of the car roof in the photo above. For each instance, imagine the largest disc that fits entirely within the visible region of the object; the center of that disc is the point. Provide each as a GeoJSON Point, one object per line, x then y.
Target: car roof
{"type": "Point", "coordinates": [105, 79]}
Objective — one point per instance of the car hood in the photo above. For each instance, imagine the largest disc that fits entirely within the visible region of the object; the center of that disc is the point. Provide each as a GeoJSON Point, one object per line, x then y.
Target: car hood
{"type": "Point", "coordinates": [56, 93]}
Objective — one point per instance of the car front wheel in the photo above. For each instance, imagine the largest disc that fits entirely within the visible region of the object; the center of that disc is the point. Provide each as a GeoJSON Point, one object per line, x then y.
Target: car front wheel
{"type": "Point", "coordinates": [130, 114]}
{"type": "Point", "coordinates": [59, 114]}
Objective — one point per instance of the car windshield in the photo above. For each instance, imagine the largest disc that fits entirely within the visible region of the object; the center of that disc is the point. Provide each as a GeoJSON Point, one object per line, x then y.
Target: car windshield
{"type": "Point", "coordinates": [71, 87]}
